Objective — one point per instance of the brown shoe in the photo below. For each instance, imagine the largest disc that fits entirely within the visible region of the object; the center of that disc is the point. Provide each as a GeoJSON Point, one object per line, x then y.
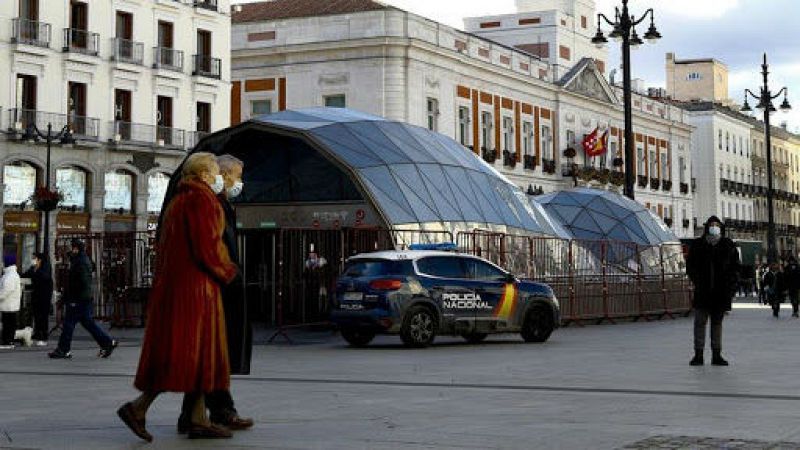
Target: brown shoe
{"type": "Point", "coordinates": [211, 431]}
{"type": "Point", "coordinates": [236, 423]}
{"type": "Point", "coordinates": [128, 415]}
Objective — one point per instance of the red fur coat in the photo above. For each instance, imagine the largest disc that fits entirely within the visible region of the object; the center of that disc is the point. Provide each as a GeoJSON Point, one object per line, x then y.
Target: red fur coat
{"type": "Point", "coordinates": [185, 347]}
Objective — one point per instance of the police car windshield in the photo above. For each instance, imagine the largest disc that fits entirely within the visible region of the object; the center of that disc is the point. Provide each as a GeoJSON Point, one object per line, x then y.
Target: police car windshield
{"type": "Point", "coordinates": [377, 268]}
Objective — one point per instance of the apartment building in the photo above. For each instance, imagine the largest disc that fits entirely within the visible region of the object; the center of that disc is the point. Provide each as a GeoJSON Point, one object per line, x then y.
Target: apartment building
{"type": "Point", "coordinates": [521, 114]}
{"type": "Point", "coordinates": [135, 82]}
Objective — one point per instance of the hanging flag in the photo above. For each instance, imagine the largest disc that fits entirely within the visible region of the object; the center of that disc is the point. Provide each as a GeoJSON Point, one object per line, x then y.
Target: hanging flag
{"type": "Point", "coordinates": [594, 144]}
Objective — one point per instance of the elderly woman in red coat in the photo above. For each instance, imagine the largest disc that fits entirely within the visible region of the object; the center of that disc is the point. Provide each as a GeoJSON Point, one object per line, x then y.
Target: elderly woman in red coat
{"type": "Point", "coordinates": [185, 347]}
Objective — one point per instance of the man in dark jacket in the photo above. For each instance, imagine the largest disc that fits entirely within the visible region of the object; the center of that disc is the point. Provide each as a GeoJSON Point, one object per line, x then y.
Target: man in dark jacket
{"type": "Point", "coordinates": [78, 306]}
{"type": "Point", "coordinates": [713, 266]}
{"type": "Point", "coordinates": [792, 278]}
{"type": "Point", "coordinates": [239, 332]}
{"type": "Point", "coordinates": [41, 276]}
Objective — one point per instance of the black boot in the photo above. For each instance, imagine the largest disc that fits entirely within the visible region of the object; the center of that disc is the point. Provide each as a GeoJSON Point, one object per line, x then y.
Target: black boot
{"type": "Point", "coordinates": [717, 359]}
{"type": "Point", "coordinates": [698, 358]}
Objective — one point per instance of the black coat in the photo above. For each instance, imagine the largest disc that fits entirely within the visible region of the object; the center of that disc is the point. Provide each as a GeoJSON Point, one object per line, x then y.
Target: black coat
{"type": "Point", "coordinates": [79, 283]}
{"type": "Point", "coordinates": [714, 270]}
{"type": "Point", "coordinates": [42, 283]}
{"type": "Point", "coordinates": [792, 274]}
{"type": "Point", "coordinates": [239, 331]}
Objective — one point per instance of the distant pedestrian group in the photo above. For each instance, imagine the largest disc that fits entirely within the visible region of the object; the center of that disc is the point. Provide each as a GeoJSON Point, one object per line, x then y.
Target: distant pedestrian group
{"type": "Point", "coordinates": [779, 283]}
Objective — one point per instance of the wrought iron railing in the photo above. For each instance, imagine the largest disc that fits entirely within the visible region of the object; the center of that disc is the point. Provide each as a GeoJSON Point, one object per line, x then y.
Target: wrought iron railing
{"type": "Point", "coordinates": [168, 58]}
{"type": "Point", "coordinates": [206, 4]}
{"type": "Point", "coordinates": [81, 41]}
{"type": "Point", "coordinates": [194, 137]}
{"type": "Point", "coordinates": [127, 51]}
{"type": "Point", "coordinates": [207, 66]}
{"type": "Point", "coordinates": [30, 32]}
{"type": "Point", "coordinates": [81, 127]}
{"type": "Point", "coordinates": [133, 133]}
{"type": "Point", "coordinates": [170, 137]}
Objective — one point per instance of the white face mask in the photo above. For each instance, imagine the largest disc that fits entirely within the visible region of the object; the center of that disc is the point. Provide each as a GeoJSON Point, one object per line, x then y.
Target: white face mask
{"type": "Point", "coordinates": [218, 185]}
{"type": "Point", "coordinates": [236, 189]}
{"type": "Point", "coordinates": [714, 231]}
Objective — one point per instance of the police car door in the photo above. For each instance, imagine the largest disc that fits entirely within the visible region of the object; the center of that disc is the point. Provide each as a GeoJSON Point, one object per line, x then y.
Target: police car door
{"type": "Point", "coordinates": [445, 278]}
{"type": "Point", "coordinates": [497, 295]}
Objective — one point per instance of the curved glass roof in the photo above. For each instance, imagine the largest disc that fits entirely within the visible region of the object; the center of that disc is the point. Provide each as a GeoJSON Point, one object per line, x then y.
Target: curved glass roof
{"type": "Point", "coordinates": [603, 215]}
{"type": "Point", "coordinates": [415, 176]}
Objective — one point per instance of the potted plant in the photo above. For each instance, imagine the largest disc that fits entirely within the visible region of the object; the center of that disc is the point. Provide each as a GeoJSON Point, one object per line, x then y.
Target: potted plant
{"type": "Point", "coordinates": [570, 152]}
{"type": "Point", "coordinates": [617, 178]}
{"type": "Point", "coordinates": [46, 200]}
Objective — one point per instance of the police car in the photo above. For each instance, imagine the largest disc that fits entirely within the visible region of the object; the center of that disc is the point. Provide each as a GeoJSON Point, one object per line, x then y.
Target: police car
{"type": "Point", "coordinates": [420, 294]}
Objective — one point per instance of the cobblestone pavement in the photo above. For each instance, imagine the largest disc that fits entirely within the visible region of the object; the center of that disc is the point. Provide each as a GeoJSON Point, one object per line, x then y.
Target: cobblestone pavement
{"type": "Point", "coordinates": [597, 387]}
{"type": "Point", "coordinates": [700, 443]}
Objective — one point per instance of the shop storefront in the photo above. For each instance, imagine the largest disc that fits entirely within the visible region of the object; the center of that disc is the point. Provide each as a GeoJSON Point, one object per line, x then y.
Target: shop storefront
{"type": "Point", "coordinates": [157, 185]}
{"type": "Point", "coordinates": [73, 216]}
{"type": "Point", "coordinates": [21, 225]}
{"type": "Point", "coordinates": [118, 202]}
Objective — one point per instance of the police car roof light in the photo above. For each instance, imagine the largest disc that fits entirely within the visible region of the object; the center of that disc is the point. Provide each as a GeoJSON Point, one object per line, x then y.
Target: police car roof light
{"type": "Point", "coordinates": [441, 246]}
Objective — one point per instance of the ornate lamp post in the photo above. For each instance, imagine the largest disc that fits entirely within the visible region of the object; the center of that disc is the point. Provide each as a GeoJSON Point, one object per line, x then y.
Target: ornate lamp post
{"type": "Point", "coordinates": [624, 24]}
{"type": "Point", "coordinates": [765, 104]}
{"type": "Point", "coordinates": [32, 133]}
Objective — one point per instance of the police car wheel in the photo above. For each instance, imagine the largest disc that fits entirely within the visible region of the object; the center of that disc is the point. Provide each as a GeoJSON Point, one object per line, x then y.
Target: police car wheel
{"type": "Point", "coordinates": [538, 324]}
{"type": "Point", "coordinates": [474, 338]}
{"type": "Point", "coordinates": [419, 327]}
{"type": "Point", "coordinates": [356, 337]}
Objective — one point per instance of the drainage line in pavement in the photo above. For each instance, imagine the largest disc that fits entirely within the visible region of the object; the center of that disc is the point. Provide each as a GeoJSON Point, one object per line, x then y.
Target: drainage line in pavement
{"type": "Point", "coordinates": [502, 387]}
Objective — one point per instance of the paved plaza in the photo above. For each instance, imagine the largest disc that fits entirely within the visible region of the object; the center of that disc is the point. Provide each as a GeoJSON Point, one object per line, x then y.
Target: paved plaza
{"type": "Point", "coordinates": [600, 387]}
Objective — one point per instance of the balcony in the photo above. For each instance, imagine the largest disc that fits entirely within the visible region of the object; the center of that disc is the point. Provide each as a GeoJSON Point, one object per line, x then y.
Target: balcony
{"type": "Point", "coordinates": [685, 223]}
{"type": "Point", "coordinates": [642, 181]}
{"type": "Point", "coordinates": [147, 135]}
{"type": "Point", "coordinates": [170, 137]}
{"type": "Point", "coordinates": [195, 137]}
{"type": "Point", "coordinates": [684, 188]}
{"type": "Point", "coordinates": [668, 221]}
{"type": "Point", "coordinates": [490, 156]}
{"type": "Point", "coordinates": [206, 4]}
{"type": "Point", "coordinates": [30, 32]}
{"type": "Point", "coordinates": [168, 58]}
{"type": "Point", "coordinates": [529, 162]}
{"type": "Point", "coordinates": [81, 41]}
{"type": "Point", "coordinates": [694, 185]}
{"type": "Point", "coordinates": [207, 66]}
{"type": "Point", "coordinates": [83, 128]}
{"type": "Point", "coordinates": [549, 166]}
{"type": "Point", "coordinates": [126, 51]}
{"type": "Point", "coordinates": [509, 159]}
{"type": "Point", "coordinates": [655, 183]}
{"type": "Point", "coordinates": [666, 185]}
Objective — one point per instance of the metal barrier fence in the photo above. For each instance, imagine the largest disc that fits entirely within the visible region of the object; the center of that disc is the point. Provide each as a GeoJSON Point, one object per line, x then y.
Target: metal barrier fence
{"type": "Point", "coordinates": [594, 280]}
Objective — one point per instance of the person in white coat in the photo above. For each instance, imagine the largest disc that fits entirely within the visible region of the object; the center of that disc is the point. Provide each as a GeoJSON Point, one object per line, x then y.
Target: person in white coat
{"type": "Point", "coordinates": [10, 296]}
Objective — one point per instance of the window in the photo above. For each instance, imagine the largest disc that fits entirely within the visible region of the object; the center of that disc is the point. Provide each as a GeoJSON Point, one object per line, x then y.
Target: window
{"type": "Point", "coordinates": [204, 117]}
{"type": "Point", "coordinates": [665, 167]}
{"type": "Point", "coordinates": [20, 182]}
{"type": "Point", "coordinates": [734, 144]}
{"type": "Point", "coordinates": [727, 141]}
{"type": "Point", "coordinates": [335, 101]}
{"type": "Point", "coordinates": [119, 192]}
{"type": "Point", "coordinates": [76, 107]}
{"type": "Point", "coordinates": [682, 169]}
{"type": "Point", "coordinates": [570, 138]}
{"type": "Point", "coordinates": [165, 33]}
{"type": "Point", "coordinates": [122, 114]}
{"type": "Point", "coordinates": [508, 134]}
{"type": "Point", "coordinates": [486, 130]}
{"type": "Point", "coordinates": [156, 191]}
{"type": "Point", "coordinates": [720, 140]}
{"type": "Point", "coordinates": [377, 268]}
{"type": "Point", "coordinates": [480, 270]}
{"type": "Point", "coordinates": [203, 43]}
{"type": "Point", "coordinates": [260, 107]}
{"type": "Point", "coordinates": [547, 147]}
{"type": "Point", "coordinates": [165, 55]}
{"type": "Point", "coordinates": [26, 98]}
{"type": "Point", "coordinates": [124, 25]}
{"type": "Point", "coordinates": [79, 24]}
{"type": "Point", "coordinates": [164, 119]}
{"type": "Point", "coordinates": [29, 9]}
{"type": "Point", "coordinates": [433, 114]}
{"type": "Point", "coordinates": [441, 266]}
{"type": "Point", "coordinates": [71, 181]}
{"type": "Point", "coordinates": [463, 125]}
{"type": "Point", "coordinates": [640, 167]}
{"type": "Point", "coordinates": [527, 138]}
{"type": "Point", "coordinates": [693, 76]}
{"type": "Point", "coordinates": [653, 164]}
{"type": "Point", "coordinates": [741, 146]}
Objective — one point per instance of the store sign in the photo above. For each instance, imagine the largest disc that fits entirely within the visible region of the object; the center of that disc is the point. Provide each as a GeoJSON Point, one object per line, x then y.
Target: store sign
{"type": "Point", "coordinates": [20, 182]}
{"type": "Point", "coordinates": [72, 223]}
{"type": "Point", "coordinates": [21, 222]}
{"type": "Point", "coordinates": [119, 191]}
{"type": "Point", "coordinates": [72, 183]}
{"type": "Point", "coordinates": [157, 189]}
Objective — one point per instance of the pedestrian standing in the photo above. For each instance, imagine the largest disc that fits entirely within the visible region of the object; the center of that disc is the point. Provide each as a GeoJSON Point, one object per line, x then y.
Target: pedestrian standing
{"type": "Point", "coordinates": [221, 407]}
{"type": "Point", "coordinates": [185, 347]}
{"type": "Point", "coordinates": [776, 286]}
{"type": "Point", "coordinates": [41, 276]}
{"type": "Point", "coordinates": [78, 305]}
{"type": "Point", "coordinates": [10, 299]}
{"type": "Point", "coordinates": [713, 267]}
{"type": "Point", "coordinates": [792, 278]}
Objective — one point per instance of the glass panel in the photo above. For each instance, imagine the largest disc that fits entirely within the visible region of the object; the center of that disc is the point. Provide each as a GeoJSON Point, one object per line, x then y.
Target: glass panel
{"type": "Point", "coordinates": [374, 140]}
{"type": "Point", "coordinates": [72, 183]}
{"type": "Point", "coordinates": [480, 270]}
{"type": "Point", "coordinates": [335, 101]}
{"type": "Point", "coordinates": [260, 107]}
{"type": "Point", "coordinates": [343, 143]}
{"type": "Point", "coordinates": [156, 190]}
{"type": "Point", "coordinates": [442, 266]}
{"type": "Point", "coordinates": [377, 268]}
{"type": "Point", "coordinates": [119, 191]}
{"type": "Point", "coordinates": [20, 182]}
{"type": "Point", "coordinates": [403, 141]}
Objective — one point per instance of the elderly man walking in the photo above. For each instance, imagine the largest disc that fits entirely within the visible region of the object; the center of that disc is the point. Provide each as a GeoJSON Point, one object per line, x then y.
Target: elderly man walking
{"type": "Point", "coordinates": [713, 266]}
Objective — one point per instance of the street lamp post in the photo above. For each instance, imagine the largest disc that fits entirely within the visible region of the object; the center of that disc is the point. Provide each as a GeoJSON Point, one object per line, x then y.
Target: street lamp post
{"type": "Point", "coordinates": [65, 137]}
{"type": "Point", "coordinates": [624, 24]}
{"type": "Point", "coordinates": [765, 103]}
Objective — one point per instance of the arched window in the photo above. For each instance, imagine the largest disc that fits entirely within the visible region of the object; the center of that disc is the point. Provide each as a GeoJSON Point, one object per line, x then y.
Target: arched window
{"type": "Point", "coordinates": [119, 192]}
{"type": "Point", "coordinates": [71, 181]}
{"type": "Point", "coordinates": [156, 190]}
{"type": "Point", "coordinates": [20, 182]}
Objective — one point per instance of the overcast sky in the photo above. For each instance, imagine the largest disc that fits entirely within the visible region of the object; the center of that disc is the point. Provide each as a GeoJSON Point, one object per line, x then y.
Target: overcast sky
{"type": "Point", "coordinates": [737, 32]}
